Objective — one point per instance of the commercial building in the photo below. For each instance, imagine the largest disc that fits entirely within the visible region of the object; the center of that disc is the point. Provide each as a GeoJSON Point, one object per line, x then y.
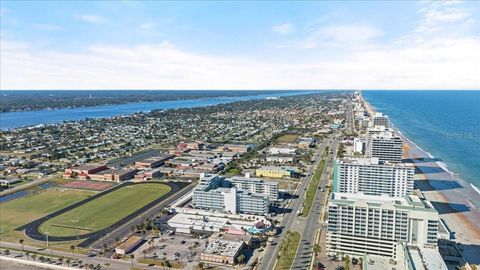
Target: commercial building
{"type": "Point", "coordinates": [360, 224]}
{"type": "Point", "coordinates": [277, 172]}
{"type": "Point", "coordinates": [194, 145]}
{"type": "Point", "coordinates": [99, 172]}
{"type": "Point", "coordinates": [222, 252]}
{"type": "Point", "coordinates": [306, 143]}
{"type": "Point", "coordinates": [380, 120]}
{"type": "Point", "coordinates": [83, 169]}
{"type": "Point", "coordinates": [281, 151]}
{"type": "Point", "coordinates": [279, 159]}
{"type": "Point", "coordinates": [115, 175]}
{"type": "Point", "coordinates": [217, 193]}
{"type": "Point", "coordinates": [238, 148]}
{"type": "Point", "coordinates": [386, 146]}
{"type": "Point", "coordinates": [188, 219]}
{"type": "Point", "coordinates": [368, 175]}
{"type": "Point", "coordinates": [256, 185]}
{"type": "Point", "coordinates": [129, 245]}
{"type": "Point", "coordinates": [153, 162]}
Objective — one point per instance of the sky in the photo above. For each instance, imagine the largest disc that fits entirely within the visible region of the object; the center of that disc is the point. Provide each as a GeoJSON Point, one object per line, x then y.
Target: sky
{"type": "Point", "coordinates": [240, 45]}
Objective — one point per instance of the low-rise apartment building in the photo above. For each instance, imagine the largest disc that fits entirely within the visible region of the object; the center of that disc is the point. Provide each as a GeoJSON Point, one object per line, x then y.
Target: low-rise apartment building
{"type": "Point", "coordinates": [277, 172]}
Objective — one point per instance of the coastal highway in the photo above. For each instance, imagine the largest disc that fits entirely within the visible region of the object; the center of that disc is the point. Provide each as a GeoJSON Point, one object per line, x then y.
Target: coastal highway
{"type": "Point", "coordinates": [290, 220]}
{"type": "Point", "coordinates": [309, 226]}
{"type": "Point", "coordinates": [349, 124]}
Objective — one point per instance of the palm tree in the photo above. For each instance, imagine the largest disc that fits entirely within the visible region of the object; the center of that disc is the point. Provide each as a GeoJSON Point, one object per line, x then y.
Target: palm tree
{"type": "Point", "coordinates": [68, 262]}
{"type": "Point", "coordinates": [168, 264]}
{"type": "Point", "coordinates": [346, 262]}
{"type": "Point", "coordinates": [21, 243]}
{"type": "Point", "coordinates": [240, 258]}
{"type": "Point", "coordinates": [34, 256]}
{"type": "Point", "coordinates": [131, 258]}
{"type": "Point", "coordinates": [316, 249]}
{"type": "Point", "coordinates": [72, 248]}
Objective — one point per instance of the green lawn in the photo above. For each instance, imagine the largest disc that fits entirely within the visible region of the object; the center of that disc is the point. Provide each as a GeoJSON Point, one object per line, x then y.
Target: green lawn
{"type": "Point", "coordinates": [288, 250]}
{"type": "Point", "coordinates": [312, 188]}
{"type": "Point", "coordinates": [104, 211]}
{"type": "Point", "coordinates": [18, 212]}
{"type": "Point", "coordinates": [287, 138]}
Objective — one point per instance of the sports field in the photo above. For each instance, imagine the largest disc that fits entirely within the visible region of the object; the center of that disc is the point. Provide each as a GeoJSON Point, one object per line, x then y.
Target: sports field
{"type": "Point", "coordinates": [103, 211]}
{"type": "Point", "coordinates": [18, 212]}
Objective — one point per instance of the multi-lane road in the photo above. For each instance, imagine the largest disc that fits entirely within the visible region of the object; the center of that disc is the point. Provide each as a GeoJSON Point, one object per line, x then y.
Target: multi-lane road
{"type": "Point", "coordinates": [306, 226]}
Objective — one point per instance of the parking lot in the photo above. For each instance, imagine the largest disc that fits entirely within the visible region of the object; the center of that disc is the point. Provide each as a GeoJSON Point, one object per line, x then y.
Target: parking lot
{"type": "Point", "coordinates": [179, 247]}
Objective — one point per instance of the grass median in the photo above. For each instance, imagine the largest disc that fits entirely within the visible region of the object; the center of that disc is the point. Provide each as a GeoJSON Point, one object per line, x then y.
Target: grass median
{"type": "Point", "coordinates": [312, 188]}
{"type": "Point", "coordinates": [288, 250]}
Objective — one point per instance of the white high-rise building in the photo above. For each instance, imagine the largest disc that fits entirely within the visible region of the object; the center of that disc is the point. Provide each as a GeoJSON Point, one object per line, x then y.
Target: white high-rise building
{"type": "Point", "coordinates": [386, 146]}
{"type": "Point", "coordinates": [368, 175]}
{"type": "Point", "coordinates": [380, 120]}
{"type": "Point", "coordinates": [240, 195]}
{"type": "Point", "coordinates": [359, 145]}
{"type": "Point", "coordinates": [360, 224]}
{"type": "Point", "coordinates": [256, 185]}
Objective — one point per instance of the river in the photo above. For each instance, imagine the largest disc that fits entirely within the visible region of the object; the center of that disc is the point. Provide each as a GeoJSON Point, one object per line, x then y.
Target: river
{"type": "Point", "coordinates": [12, 120]}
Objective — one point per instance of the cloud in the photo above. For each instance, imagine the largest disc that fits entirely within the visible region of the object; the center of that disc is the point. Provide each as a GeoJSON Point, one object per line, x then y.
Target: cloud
{"type": "Point", "coordinates": [437, 16]}
{"type": "Point", "coordinates": [283, 29]}
{"type": "Point", "coordinates": [92, 18]}
{"type": "Point", "coordinates": [47, 27]}
{"type": "Point", "coordinates": [335, 35]}
{"type": "Point", "coordinates": [146, 26]}
{"type": "Point", "coordinates": [436, 64]}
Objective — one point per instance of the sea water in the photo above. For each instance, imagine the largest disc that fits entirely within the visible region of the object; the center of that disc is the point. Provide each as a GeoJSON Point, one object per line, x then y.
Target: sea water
{"type": "Point", "coordinates": [445, 124]}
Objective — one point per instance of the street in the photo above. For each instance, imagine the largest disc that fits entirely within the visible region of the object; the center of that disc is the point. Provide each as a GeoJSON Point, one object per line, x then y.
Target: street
{"type": "Point", "coordinates": [291, 221]}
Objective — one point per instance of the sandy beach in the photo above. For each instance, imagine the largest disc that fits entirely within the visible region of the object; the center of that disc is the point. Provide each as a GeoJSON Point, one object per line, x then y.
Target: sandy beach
{"type": "Point", "coordinates": [451, 196]}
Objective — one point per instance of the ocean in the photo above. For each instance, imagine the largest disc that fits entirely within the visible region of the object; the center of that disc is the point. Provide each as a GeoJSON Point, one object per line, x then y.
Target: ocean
{"type": "Point", "coordinates": [445, 124]}
{"type": "Point", "coordinates": [18, 119]}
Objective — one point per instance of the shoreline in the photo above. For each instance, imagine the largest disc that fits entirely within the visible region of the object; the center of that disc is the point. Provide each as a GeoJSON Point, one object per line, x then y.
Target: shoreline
{"type": "Point", "coordinates": [29, 119]}
{"type": "Point", "coordinates": [450, 195]}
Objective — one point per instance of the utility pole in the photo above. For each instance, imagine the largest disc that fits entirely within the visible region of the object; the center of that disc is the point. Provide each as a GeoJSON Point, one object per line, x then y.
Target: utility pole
{"type": "Point", "coordinates": [46, 233]}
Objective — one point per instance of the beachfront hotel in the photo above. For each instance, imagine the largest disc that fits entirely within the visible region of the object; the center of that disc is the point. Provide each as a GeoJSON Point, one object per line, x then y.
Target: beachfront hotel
{"type": "Point", "coordinates": [386, 146]}
{"type": "Point", "coordinates": [380, 120]}
{"type": "Point", "coordinates": [372, 177]}
{"type": "Point", "coordinates": [360, 224]}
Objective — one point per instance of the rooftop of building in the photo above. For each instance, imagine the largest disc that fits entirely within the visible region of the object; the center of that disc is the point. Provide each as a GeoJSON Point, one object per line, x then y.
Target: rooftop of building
{"type": "Point", "coordinates": [426, 258]}
{"type": "Point", "coordinates": [87, 166]}
{"type": "Point", "coordinates": [410, 201]}
{"type": "Point", "coordinates": [372, 161]}
{"type": "Point", "coordinates": [275, 168]}
{"type": "Point", "coordinates": [374, 262]}
{"type": "Point", "coordinates": [252, 179]}
{"type": "Point", "coordinates": [132, 240]}
{"type": "Point", "coordinates": [157, 158]}
{"type": "Point", "coordinates": [223, 247]}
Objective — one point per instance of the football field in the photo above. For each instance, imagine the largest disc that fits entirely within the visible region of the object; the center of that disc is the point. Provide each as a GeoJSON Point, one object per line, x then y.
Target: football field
{"type": "Point", "coordinates": [103, 211]}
